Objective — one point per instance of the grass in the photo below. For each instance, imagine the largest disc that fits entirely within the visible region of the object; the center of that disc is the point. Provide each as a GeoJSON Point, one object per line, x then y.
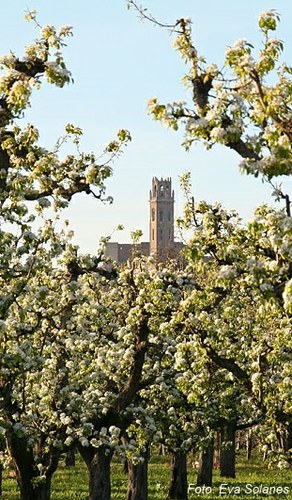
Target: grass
{"type": "Point", "coordinates": [71, 483]}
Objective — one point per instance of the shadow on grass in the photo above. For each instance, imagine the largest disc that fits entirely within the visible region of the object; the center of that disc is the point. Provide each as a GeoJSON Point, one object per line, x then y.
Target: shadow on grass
{"type": "Point", "coordinates": [254, 482]}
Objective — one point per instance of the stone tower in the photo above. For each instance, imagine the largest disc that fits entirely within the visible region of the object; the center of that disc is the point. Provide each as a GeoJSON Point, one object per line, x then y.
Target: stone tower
{"type": "Point", "coordinates": [161, 235]}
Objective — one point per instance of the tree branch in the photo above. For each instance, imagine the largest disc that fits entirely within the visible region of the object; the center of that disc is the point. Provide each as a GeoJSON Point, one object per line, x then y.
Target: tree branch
{"type": "Point", "coordinates": [131, 388]}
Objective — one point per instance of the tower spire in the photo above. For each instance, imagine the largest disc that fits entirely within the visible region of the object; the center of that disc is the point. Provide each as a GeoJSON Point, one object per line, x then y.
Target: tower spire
{"type": "Point", "coordinates": [161, 235]}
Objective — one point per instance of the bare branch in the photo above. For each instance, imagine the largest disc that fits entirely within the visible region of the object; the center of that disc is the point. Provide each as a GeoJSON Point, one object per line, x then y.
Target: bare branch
{"type": "Point", "coordinates": [147, 16]}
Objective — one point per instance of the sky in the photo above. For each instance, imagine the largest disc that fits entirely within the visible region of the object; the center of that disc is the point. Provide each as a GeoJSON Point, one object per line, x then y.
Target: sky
{"type": "Point", "coordinates": [118, 63]}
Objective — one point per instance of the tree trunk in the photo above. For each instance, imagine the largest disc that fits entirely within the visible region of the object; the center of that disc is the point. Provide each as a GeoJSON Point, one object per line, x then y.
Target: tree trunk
{"type": "Point", "coordinates": [41, 491]}
{"type": "Point", "coordinates": [70, 458]}
{"type": "Point", "coordinates": [217, 443]}
{"type": "Point", "coordinates": [98, 462]}
{"type": "Point", "coordinates": [138, 479]}
{"type": "Point", "coordinates": [284, 437]}
{"type": "Point", "coordinates": [206, 466]}
{"type": "Point", "coordinates": [32, 486]}
{"type": "Point", "coordinates": [227, 455]}
{"type": "Point", "coordinates": [249, 444]}
{"type": "Point", "coordinates": [179, 482]}
{"type": "Point", "coordinates": [31, 489]}
{"type": "Point", "coordinates": [288, 443]}
{"type": "Point", "coordinates": [1, 475]}
{"type": "Point", "coordinates": [2, 448]}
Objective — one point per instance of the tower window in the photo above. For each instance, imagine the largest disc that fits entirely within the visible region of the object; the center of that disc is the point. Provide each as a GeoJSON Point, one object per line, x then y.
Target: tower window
{"type": "Point", "coordinates": [153, 214]}
{"type": "Point", "coordinates": [169, 216]}
{"type": "Point", "coordinates": [152, 234]}
{"type": "Point", "coordinates": [161, 234]}
{"type": "Point", "coordinates": [161, 216]}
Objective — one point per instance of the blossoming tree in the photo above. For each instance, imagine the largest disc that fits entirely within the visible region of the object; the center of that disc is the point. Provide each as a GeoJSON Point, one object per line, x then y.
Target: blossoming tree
{"type": "Point", "coordinates": [245, 107]}
{"type": "Point", "coordinates": [36, 278]}
{"type": "Point", "coordinates": [241, 321]}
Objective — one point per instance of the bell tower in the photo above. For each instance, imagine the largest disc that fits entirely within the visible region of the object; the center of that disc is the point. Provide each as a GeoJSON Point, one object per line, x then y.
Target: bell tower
{"type": "Point", "coordinates": [161, 218]}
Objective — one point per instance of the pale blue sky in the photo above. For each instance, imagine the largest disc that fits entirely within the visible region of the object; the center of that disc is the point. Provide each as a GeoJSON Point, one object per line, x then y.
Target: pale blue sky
{"type": "Point", "coordinates": [118, 63]}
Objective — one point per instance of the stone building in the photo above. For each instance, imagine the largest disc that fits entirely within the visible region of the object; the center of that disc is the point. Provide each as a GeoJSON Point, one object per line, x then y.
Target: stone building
{"type": "Point", "coordinates": [161, 228]}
